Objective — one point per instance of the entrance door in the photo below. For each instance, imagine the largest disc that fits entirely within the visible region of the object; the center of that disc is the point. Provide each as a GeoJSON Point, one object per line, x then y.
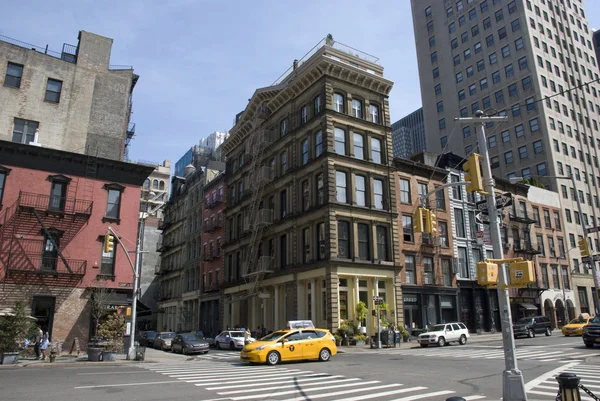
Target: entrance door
{"type": "Point", "coordinates": [43, 310]}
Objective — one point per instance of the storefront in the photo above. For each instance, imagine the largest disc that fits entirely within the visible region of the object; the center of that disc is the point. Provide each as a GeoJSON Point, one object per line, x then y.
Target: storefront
{"type": "Point", "coordinates": [478, 307]}
{"type": "Point", "coordinates": [525, 305]}
{"type": "Point", "coordinates": [426, 306]}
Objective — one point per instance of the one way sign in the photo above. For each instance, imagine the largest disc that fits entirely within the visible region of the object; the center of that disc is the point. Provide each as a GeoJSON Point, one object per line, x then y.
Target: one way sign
{"type": "Point", "coordinates": [482, 218]}
{"type": "Point", "coordinates": [502, 201]}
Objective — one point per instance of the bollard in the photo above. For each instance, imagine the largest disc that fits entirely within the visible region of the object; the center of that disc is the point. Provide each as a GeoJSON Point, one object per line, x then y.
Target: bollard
{"type": "Point", "coordinates": [568, 386]}
{"type": "Point", "coordinates": [455, 399]}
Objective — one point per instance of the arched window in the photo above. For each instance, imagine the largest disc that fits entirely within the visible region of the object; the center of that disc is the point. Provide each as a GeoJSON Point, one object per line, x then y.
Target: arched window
{"type": "Point", "coordinates": [147, 184]}
{"type": "Point", "coordinates": [155, 184]}
{"type": "Point", "coordinates": [162, 185]}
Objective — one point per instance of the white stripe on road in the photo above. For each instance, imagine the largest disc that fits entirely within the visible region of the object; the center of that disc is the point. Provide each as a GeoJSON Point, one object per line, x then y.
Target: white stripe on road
{"type": "Point", "coordinates": [383, 394]}
{"type": "Point", "coordinates": [114, 373]}
{"type": "Point", "coordinates": [428, 395]}
{"type": "Point", "coordinates": [474, 397]}
{"type": "Point", "coordinates": [247, 379]}
{"type": "Point", "coordinates": [249, 375]}
{"type": "Point", "coordinates": [535, 382]}
{"type": "Point", "coordinates": [224, 373]}
{"type": "Point", "coordinates": [278, 387]}
{"type": "Point", "coordinates": [125, 384]}
{"type": "Point", "coordinates": [366, 390]}
{"type": "Point", "coordinates": [295, 379]}
{"type": "Point", "coordinates": [300, 391]}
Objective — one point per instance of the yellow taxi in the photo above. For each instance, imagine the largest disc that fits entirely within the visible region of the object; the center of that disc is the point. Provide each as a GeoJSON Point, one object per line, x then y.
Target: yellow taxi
{"type": "Point", "coordinates": [291, 345]}
{"type": "Point", "coordinates": [575, 326]}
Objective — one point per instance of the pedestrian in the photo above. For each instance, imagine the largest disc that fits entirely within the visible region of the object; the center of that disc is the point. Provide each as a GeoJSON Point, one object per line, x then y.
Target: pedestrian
{"type": "Point", "coordinates": [258, 332]}
{"type": "Point", "coordinates": [37, 339]}
{"type": "Point", "coordinates": [247, 335]}
{"type": "Point", "coordinates": [263, 332]}
{"type": "Point", "coordinates": [44, 344]}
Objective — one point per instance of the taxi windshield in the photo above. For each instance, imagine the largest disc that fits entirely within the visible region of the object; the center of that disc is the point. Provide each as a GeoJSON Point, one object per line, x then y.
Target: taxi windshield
{"type": "Point", "coordinates": [579, 320]}
{"type": "Point", "coordinates": [273, 336]}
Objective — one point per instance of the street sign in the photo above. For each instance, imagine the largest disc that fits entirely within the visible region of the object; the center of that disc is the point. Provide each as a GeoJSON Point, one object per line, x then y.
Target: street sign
{"type": "Point", "coordinates": [593, 229]}
{"type": "Point", "coordinates": [483, 237]}
{"type": "Point", "coordinates": [377, 300]}
{"type": "Point", "coordinates": [482, 218]}
{"type": "Point", "coordinates": [502, 201]}
{"type": "Point", "coordinates": [586, 259]}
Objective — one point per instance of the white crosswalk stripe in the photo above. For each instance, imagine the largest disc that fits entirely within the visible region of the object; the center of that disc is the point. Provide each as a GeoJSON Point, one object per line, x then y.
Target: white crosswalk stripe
{"type": "Point", "coordinates": [535, 353]}
{"type": "Point", "coordinates": [220, 356]}
{"type": "Point", "coordinates": [545, 387]}
{"type": "Point", "coordinates": [242, 382]}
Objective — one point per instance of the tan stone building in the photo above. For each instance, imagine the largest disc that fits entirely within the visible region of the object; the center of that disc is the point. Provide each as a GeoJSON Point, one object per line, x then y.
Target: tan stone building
{"type": "Point", "coordinates": [311, 212]}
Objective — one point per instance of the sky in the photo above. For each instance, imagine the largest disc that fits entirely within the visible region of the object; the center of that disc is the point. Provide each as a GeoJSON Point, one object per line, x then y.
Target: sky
{"type": "Point", "coordinates": [199, 61]}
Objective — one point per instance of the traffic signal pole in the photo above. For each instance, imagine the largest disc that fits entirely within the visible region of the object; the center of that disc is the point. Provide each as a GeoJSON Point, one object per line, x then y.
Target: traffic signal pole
{"type": "Point", "coordinates": [513, 385]}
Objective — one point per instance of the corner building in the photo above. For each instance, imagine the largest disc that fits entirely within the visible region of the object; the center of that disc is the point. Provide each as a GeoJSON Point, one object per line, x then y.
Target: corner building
{"type": "Point", "coordinates": [311, 217]}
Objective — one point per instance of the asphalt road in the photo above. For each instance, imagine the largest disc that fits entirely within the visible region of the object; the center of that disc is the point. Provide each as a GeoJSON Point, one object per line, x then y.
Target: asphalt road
{"type": "Point", "coordinates": [405, 373]}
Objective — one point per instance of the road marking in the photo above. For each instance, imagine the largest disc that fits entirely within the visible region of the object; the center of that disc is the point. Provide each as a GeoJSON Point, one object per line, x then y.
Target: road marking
{"type": "Point", "coordinates": [278, 387]}
{"type": "Point", "coordinates": [113, 373]}
{"type": "Point", "coordinates": [539, 380]}
{"type": "Point", "coordinates": [295, 379]}
{"type": "Point", "coordinates": [301, 391]}
{"type": "Point", "coordinates": [366, 390]}
{"type": "Point", "coordinates": [223, 373]}
{"type": "Point", "coordinates": [247, 379]}
{"type": "Point", "coordinates": [125, 384]}
{"type": "Point", "coordinates": [473, 397]}
{"type": "Point", "coordinates": [383, 394]}
{"type": "Point", "coordinates": [417, 397]}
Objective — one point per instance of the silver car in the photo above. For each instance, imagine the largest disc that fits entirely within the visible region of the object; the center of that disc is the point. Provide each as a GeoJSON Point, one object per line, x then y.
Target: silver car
{"type": "Point", "coordinates": [231, 339]}
{"type": "Point", "coordinates": [163, 340]}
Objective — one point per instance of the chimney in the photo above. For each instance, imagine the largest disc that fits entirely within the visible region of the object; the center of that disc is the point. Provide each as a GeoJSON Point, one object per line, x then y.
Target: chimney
{"type": "Point", "coordinates": [295, 64]}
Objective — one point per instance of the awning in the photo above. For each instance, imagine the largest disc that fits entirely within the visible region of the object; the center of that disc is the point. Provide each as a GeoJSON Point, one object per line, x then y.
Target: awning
{"type": "Point", "coordinates": [528, 306]}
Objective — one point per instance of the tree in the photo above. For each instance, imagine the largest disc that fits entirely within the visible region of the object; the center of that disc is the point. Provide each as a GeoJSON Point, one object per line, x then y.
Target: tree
{"type": "Point", "coordinates": [112, 330]}
{"type": "Point", "coordinates": [186, 318]}
{"type": "Point", "coordinates": [14, 328]}
{"type": "Point", "coordinates": [99, 301]}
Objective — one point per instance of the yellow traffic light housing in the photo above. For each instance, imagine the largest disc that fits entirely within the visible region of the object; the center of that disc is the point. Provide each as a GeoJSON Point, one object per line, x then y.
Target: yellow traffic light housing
{"type": "Point", "coordinates": [418, 217]}
{"type": "Point", "coordinates": [430, 222]}
{"type": "Point", "coordinates": [522, 273]}
{"type": "Point", "coordinates": [109, 243]}
{"type": "Point", "coordinates": [473, 175]}
{"type": "Point", "coordinates": [487, 273]}
{"type": "Point", "coordinates": [584, 247]}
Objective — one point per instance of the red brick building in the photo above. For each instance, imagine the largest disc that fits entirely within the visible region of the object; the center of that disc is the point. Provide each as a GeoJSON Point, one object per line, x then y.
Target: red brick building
{"type": "Point", "coordinates": [55, 207]}
{"type": "Point", "coordinates": [213, 236]}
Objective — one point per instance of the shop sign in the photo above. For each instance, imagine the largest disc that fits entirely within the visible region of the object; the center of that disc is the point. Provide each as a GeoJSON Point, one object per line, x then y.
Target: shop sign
{"type": "Point", "coordinates": [410, 299]}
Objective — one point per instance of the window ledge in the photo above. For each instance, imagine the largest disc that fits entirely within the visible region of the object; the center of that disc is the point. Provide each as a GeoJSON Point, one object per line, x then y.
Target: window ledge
{"type": "Point", "coordinates": [108, 219]}
{"type": "Point", "coordinates": [110, 277]}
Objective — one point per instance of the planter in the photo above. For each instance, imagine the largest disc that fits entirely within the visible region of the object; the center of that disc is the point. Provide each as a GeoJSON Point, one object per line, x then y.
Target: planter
{"type": "Point", "coordinates": [363, 330]}
{"type": "Point", "coordinates": [94, 354]}
{"type": "Point", "coordinates": [338, 343]}
{"type": "Point", "coordinates": [345, 342]}
{"type": "Point", "coordinates": [9, 358]}
{"type": "Point", "coordinates": [109, 356]}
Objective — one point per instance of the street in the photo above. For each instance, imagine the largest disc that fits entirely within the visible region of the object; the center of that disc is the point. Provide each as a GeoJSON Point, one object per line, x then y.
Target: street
{"type": "Point", "coordinates": [472, 371]}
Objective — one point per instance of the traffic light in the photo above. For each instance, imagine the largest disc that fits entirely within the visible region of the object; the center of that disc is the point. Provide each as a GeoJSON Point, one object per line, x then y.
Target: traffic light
{"type": "Point", "coordinates": [487, 273]}
{"type": "Point", "coordinates": [473, 175]}
{"type": "Point", "coordinates": [430, 222]}
{"type": "Point", "coordinates": [584, 247]}
{"type": "Point", "coordinates": [420, 213]}
{"type": "Point", "coordinates": [522, 273]}
{"type": "Point", "coordinates": [109, 243]}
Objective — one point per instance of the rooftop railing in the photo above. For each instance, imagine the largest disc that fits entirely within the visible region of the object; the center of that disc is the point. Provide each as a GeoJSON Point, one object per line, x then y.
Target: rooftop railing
{"type": "Point", "coordinates": [69, 52]}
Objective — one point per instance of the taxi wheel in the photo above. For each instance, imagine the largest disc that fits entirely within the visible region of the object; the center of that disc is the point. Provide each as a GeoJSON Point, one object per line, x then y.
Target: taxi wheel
{"type": "Point", "coordinates": [548, 332]}
{"type": "Point", "coordinates": [324, 355]}
{"type": "Point", "coordinates": [273, 358]}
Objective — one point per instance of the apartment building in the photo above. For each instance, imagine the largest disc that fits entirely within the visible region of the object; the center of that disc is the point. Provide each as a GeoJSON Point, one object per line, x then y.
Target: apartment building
{"type": "Point", "coordinates": [429, 288]}
{"type": "Point", "coordinates": [311, 217]}
{"type": "Point", "coordinates": [73, 100]}
{"type": "Point", "coordinates": [533, 61]}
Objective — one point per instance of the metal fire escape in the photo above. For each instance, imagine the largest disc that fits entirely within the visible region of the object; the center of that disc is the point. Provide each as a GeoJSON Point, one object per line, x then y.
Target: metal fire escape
{"type": "Point", "coordinates": [256, 264]}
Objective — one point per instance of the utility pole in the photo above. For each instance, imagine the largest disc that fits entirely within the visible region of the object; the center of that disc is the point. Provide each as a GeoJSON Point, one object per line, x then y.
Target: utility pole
{"type": "Point", "coordinates": [513, 385]}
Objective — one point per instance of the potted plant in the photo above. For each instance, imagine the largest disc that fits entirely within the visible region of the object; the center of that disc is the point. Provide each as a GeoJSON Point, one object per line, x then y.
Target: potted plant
{"type": "Point", "coordinates": [361, 314]}
{"type": "Point", "coordinates": [405, 335]}
{"type": "Point", "coordinates": [100, 297]}
{"type": "Point", "coordinates": [360, 339]}
{"type": "Point", "coordinates": [15, 325]}
{"type": "Point", "coordinates": [338, 339]}
{"type": "Point", "coordinates": [112, 331]}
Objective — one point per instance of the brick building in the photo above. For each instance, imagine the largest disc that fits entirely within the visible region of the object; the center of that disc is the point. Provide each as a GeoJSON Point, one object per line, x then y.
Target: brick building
{"type": "Point", "coordinates": [429, 290]}
{"type": "Point", "coordinates": [55, 207]}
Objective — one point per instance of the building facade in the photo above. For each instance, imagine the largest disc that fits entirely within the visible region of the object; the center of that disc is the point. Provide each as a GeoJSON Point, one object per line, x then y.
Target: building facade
{"type": "Point", "coordinates": [73, 101]}
{"type": "Point", "coordinates": [408, 135]}
{"type": "Point", "coordinates": [429, 290]}
{"type": "Point", "coordinates": [311, 212]}
{"type": "Point", "coordinates": [533, 61]}
{"type": "Point", "coordinates": [55, 210]}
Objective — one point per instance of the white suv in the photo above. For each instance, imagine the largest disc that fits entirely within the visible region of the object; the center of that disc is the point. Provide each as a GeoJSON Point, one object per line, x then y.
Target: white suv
{"type": "Point", "coordinates": [442, 334]}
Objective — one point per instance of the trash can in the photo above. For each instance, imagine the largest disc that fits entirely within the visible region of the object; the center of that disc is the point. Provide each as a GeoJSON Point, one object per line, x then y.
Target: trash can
{"type": "Point", "coordinates": [140, 352]}
{"type": "Point", "coordinates": [94, 354]}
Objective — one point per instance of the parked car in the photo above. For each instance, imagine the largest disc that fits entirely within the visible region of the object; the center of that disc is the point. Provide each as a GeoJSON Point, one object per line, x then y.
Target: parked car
{"type": "Point", "coordinates": [147, 338]}
{"type": "Point", "coordinates": [291, 345]}
{"type": "Point", "coordinates": [209, 340]}
{"type": "Point", "coordinates": [231, 339]}
{"type": "Point", "coordinates": [530, 326]}
{"type": "Point", "coordinates": [189, 343]}
{"type": "Point", "coordinates": [591, 332]}
{"type": "Point", "coordinates": [163, 340]}
{"type": "Point", "coordinates": [575, 326]}
{"type": "Point", "coordinates": [442, 334]}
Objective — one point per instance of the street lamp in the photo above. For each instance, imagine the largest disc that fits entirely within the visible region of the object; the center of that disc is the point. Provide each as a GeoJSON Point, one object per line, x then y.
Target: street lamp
{"type": "Point", "coordinates": [585, 235]}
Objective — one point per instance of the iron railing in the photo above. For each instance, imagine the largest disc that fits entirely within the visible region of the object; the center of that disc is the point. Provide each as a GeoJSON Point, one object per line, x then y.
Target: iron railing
{"type": "Point", "coordinates": [55, 203]}
{"type": "Point", "coordinates": [46, 265]}
{"type": "Point", "coordinates": [69, 53]}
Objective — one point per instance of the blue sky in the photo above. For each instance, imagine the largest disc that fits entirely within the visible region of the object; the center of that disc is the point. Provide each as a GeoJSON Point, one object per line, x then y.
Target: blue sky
{"type": "Point", "coordinates": [200, 61]}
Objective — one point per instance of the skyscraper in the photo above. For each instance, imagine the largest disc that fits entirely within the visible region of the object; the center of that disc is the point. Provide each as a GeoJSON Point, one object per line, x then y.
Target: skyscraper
{"type": "Point", "coordinates": [408, 135]}
{"type": "Point", "coordinates": [534, 61]}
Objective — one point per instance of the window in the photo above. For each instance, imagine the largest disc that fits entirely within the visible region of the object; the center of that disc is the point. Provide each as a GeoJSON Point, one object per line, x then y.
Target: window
{"type": "Point", "coordinates": [283, 204]}
{"type": "Point", "coordinates": [113, 202]}
{"type": "Point", "coordinates": [523, 63]}
{"type": "Point", "coordinates": [534, 125]}
{"type": "Point", "coordinates": [318, 143]}
{"type": "Point", "coordinates": [306, 245]}
{"type": "Point", "coordinates": [378, 193]}
{"type": "Point", "coordinates": [505, 51]}
{"type": "Point", "coordinates": [456, 59]}
{"type": "Point", "coordinates": [283, 128]}
{"type": "Point", "coordinates": [3, 174]}
{"type": "Point", "coordinates": [541, 169]}
{"type": "Point", "coordinates": [363, 242]}
{"type": "Point", "coordinates": [499, 96]}
{"type": "Point", "coordinates": [480, 65]}
{"type": "Point", "coordinates": [555, 278]}
{"type": "Point", "coordinates": [405, 191]}
{"type": "Point", "coordinates": [523, 152]}
{"type": "Point", "coordinates": [489, 40]}
{"type": "Point", "coordinates": [502, 33]}
{"type": "Point", "coordinates": [53, 88]}
{"type": "Point", "coordinates": [341, 187]}
{"type": "Point", "coordinates": [438, 89]}
{"type": "Point", "coordinates": [361, 191]}
{"type": "Point", "coordinates": [519, 44]}
{"type": "Point", "coordinates": [496, 77]}
{"type": "Point", "coordinates": [107, 263]}
{"type": "Point", "coordinates": [456, 190]}
{"type": "Point", "coordinates": [467, 54]}
{"type": "Point", "coordinates": [317, 105]}
{"type": "Point", "coordinates": [24, 131]}
{"type": "Point", "coordinates": [537, 147]}
{"type": "Point", "coordinates": [466, 131]}
{"type": "Point", "coordinates": [512, 7]}
{"type": "Point", "coordinates": [321, 241]}
{"type": "Point", "coordinates": [492, 141]}
{"type": "Point", "coordinates": [430, 26]}
{"type": "Point", "coordinates": [305, 195]}
{"type": "Point", "coordinates": [440, 106]}
{"type": "Point", "coordinates": [433, 57]}
{"type": "Point", "coordinates": [303, 115]}
{"type": "Point", "coordinates": [461, 95]}
{"type": "Point", "coordinates": [14, 72]}
{"type": "Point", "coordinates": [509, 71]}
{"type": "Point", "coordinates": [359, 146]}
{"type": "Point", "coordinates": [463, 262]}
{"type": "Point", "coordinates": [344, 240]}
{"type": "Point", "coordinates": [460, 223]}
{"type": "Point", "coordinates": [338, 102]}
{"type": "Point", "coordinates": [409, 266]}
{"type": "Point", "coordinates": [442, 123]}
{"type": "Point", "coordinates": [374, 112]}
{"type": "Point", "coordinates": [428, 277]}
{"type": "Point", "coordinates": [340, 141]}
{"type": "Point", "coordinates": [357, 108]}
{"type": "Point", "coordinates": [519, 130]}
{"type": "Point", "coordinates": [512, 90]}
{"type": "Point", "coordinates": [428, 11]}
{"type": "Point", "coordinates": [483, 84]}
{"type": "Point", "coordinates": [376, 150]}
{"type": "Point", "coordinates": [320, 190]}
{"type": "Point", "coordinates": [499, 15]}
{"type": "Point", "coordinates": [526, 82]}
{"type": "Point", "coordinates": [469, 71]}
{"type": "Point", "coordinates": [305, 151]}
{"type": "Point", "coordinates": [557, 221]}
{"type": "Point", "coordinates": [477, 47]}
{"type": "Point", "coordinates": [407, 228]}
{"type": "Point", "coordinates": [283, 162]}
{"type": "Point", "coordinates": [382, 242]}
{"type": "Point", "coordinates": [508, 157]}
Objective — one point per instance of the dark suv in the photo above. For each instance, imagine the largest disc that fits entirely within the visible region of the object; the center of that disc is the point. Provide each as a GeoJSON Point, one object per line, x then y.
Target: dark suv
{"type": "Point", "coordinates": [530, 326]}
{"type": "Point", "coordinates": [591, 332]}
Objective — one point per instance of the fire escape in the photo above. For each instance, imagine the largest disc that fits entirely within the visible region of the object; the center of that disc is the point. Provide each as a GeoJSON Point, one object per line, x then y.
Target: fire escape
{"type": "Point", "coordinates": [256, 264]}
{"type": "Point", "coordinates": [57, 219]}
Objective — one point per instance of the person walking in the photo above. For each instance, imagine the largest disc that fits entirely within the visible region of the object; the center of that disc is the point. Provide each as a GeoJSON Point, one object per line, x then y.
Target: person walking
{"type": "Point", "coordinates": [37, 340]}
{"type": "Point", "coordinates": [258, 332]}
{"type": "Point", "coordinates": [247, 336]}
{"type": "Point", "coordinates": [44, 344]}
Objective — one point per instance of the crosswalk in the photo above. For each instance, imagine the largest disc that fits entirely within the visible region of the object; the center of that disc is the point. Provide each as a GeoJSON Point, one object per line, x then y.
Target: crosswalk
{"type": "Point", "coordinates": [534, 353]}
{"type": "Point", "coordinates": [220, 356]}
{"type": "Point", "coordinates": [241, 382]}
{"type": "Point", "coordinates": [545, 387]}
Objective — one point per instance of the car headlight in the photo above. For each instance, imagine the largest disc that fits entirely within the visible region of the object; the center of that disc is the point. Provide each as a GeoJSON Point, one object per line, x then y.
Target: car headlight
{"type": "Point", "coordinates": [259, 348]}
{"type": "Point", "coordinates": [433, 335]}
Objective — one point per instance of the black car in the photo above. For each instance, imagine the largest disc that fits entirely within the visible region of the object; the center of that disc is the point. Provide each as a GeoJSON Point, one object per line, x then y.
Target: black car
{"type": "Point", "coordinates": [530, 326]}
{"type": "Point", "coordinates": [591, 332]}
{"type": "Point", "coordinates": [189, 343]}
{"type": "Point", "coordinates": [147, 338]}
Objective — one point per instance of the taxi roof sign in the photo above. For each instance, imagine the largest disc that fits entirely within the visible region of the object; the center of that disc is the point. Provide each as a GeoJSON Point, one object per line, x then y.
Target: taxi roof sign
{"type": "Point", "coordinates": [300, 324]}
